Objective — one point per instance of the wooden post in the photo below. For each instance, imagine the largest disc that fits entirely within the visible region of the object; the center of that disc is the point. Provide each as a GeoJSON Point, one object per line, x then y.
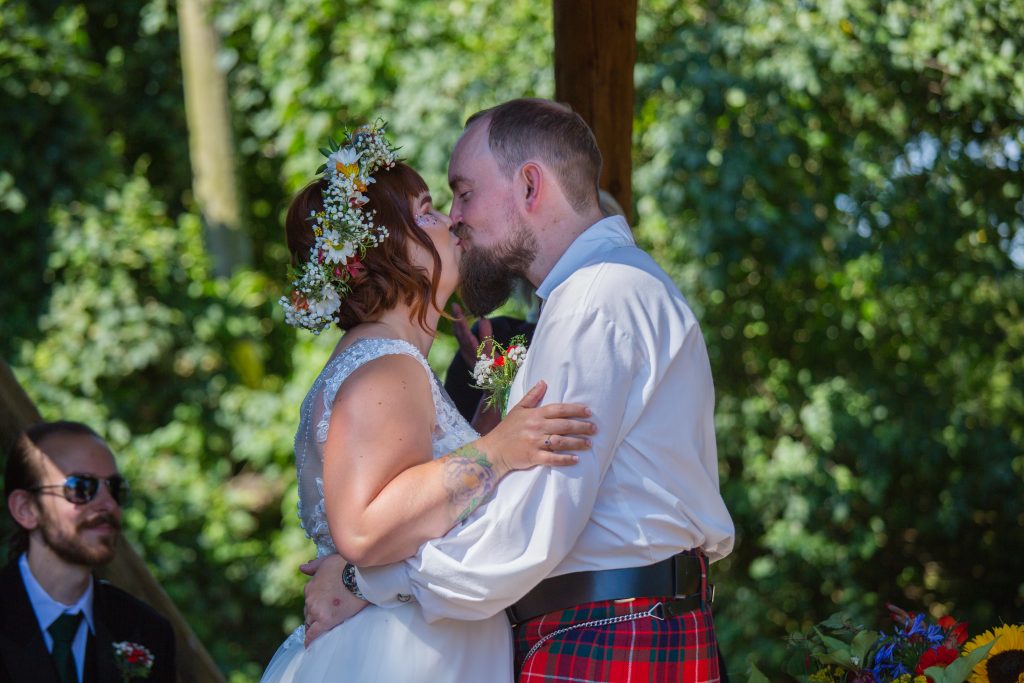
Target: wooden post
{"type": "Point", "coordinates": [595, 52]}
{"type": "Point", "coordinates": [127, 570]}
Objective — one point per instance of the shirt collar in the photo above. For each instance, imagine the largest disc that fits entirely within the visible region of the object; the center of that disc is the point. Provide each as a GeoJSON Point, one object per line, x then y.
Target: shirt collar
{"type": "Point", "coordinates": [46, 608]}
{"type": "Point", "coordinates": [607, 233]}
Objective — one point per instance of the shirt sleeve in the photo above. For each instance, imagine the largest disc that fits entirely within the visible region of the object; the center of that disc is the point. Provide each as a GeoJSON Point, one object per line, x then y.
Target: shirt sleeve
{"type": "Point", "coordinates": [509, 545]}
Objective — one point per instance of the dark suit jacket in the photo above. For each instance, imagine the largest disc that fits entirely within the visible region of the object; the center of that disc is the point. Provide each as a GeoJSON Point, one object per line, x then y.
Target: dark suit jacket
{"type": "Point", "coordinates": [118, 617]}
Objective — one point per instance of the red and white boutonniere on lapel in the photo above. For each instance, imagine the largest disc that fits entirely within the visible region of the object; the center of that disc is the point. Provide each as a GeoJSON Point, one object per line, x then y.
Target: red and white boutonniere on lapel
{"type": "Point", "coordinates": [496, 367]}
{"type": "Point", "coordinates": [133, 660]}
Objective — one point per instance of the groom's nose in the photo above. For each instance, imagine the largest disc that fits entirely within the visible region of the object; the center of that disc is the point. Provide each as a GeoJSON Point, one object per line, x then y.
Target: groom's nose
{"type": "Point", "coordinates": [455, 213]}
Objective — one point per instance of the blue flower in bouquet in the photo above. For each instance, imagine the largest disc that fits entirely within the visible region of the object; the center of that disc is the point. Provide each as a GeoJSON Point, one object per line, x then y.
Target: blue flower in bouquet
{"type": "Point", "coordinates": [898, 654]}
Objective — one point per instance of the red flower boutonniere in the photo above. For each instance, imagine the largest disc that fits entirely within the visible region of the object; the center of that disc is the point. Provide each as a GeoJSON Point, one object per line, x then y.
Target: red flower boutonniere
{"type": "Point", "coordinates": [133, 660]}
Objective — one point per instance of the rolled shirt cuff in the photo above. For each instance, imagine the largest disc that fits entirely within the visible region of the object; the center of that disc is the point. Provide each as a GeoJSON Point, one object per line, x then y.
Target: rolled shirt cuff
{"type": "Point", "coordinates": [386, 586]}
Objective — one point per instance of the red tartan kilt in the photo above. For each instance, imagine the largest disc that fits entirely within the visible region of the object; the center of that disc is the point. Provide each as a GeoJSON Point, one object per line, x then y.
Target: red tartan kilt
{"type": "Point", "coordinates": [682, 648]}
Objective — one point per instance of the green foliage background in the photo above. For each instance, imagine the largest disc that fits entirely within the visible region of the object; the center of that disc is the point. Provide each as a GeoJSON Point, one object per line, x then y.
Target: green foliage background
{"type": "Point", "coordinates": [835, 185]}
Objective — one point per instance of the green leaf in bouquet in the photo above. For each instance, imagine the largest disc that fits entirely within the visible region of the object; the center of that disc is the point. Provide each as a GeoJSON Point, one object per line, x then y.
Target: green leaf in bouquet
{"type": "Point", "coordinates": [325, 151]}
{"type": "Point", "coordinates": [840, 658]}
{"type": "Point", "coordinates": [861, 645]}
{"type": "Point", "coordinates": [958, 671]}
{"type": "Point", "coordinates": [798, 664]}
{"type": "Point", "coordinates": [756, 676]}
{"type": "Point", "coordinates": [837, 621]}
{"type": "Point", "coordinates": [833, 644]}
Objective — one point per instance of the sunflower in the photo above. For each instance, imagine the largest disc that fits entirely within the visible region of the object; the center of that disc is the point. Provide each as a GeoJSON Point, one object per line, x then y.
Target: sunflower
{"type": "Point", "coordinates": [1005, 661]}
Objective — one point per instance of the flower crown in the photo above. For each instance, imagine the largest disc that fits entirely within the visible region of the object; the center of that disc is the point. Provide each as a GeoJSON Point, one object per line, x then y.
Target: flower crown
{"type": "Point", "coordinates": [344, 229]}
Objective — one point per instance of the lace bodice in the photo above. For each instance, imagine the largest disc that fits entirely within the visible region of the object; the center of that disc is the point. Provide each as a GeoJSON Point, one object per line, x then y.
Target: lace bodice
{"type": "Point", "coordinates": [450, 430]}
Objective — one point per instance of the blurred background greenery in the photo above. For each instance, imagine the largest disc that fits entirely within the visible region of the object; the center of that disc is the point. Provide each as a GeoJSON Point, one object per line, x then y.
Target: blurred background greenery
{"type": "Point", "coordinates": [835, 185]}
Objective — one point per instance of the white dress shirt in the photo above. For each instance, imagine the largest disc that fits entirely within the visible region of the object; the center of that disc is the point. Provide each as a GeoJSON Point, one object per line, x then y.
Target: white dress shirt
{"type": "Point", "coordinates": [48, 610]}
{"type": "Point", "coordinates": [615, 334]}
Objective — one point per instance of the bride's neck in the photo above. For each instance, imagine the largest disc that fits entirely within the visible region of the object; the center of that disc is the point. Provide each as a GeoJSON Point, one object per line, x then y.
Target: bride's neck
{"type": "Point", "coordinates": [399, 323]}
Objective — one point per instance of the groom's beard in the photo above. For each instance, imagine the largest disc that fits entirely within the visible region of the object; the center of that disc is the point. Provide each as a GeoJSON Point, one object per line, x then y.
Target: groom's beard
{"type": "Point", "coordinates": [488, 275]}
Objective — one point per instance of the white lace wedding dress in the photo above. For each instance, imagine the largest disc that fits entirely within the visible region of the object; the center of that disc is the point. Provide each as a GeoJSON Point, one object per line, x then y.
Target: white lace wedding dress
{"type": "Point", "coordinates": [386, 645]}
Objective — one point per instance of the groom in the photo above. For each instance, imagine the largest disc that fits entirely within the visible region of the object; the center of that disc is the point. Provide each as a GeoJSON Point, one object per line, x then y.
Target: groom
{"type": "Point", "coordinates": [601, 567]}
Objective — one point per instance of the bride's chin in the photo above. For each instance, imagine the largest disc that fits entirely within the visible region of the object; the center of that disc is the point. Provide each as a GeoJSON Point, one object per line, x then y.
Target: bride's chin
{"type": "Point", "coordinates": [443, 295]}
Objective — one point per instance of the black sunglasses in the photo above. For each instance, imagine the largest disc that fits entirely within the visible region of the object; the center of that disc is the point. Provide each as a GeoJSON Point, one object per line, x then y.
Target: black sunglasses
{"type": "Point", "coordinates": [82, 488]}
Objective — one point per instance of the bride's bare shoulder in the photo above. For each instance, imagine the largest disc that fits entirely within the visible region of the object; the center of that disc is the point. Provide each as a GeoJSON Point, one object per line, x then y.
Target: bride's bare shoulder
{"type": "Point", "coordinates": [389, 387]}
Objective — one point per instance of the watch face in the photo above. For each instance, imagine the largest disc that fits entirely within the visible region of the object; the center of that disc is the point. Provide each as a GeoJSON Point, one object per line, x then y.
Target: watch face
{"type": "Point", "coordinates": [348, 577]}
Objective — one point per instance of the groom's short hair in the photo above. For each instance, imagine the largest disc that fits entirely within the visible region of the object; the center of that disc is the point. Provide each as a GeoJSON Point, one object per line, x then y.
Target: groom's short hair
{"type": "Point", "coordinates": [526, 128]}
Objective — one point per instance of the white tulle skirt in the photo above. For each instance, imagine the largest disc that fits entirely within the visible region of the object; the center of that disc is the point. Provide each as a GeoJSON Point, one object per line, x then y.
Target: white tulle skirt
{"type": "Point", "coordinates": [398, 646]}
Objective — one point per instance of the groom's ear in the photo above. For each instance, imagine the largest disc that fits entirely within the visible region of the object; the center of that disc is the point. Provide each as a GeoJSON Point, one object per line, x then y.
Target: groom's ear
{"type": "Point", "coordinates": [532, 176]}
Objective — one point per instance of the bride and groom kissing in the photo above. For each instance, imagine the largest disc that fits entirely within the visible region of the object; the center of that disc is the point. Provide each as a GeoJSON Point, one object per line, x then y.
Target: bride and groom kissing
{"type": "Point", "coordinates": [587, 518]}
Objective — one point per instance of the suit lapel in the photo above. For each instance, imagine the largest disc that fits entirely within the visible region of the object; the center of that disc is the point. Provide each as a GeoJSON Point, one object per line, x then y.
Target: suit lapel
{"type": "Point", "coordinates": [22, 648]}
{"type": "Point", "coordinates": [103, 655]}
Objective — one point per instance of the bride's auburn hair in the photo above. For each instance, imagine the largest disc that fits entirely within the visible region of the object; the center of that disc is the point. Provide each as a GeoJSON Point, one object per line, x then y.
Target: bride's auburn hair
{"type": "Point", "coordinates": [389, 276]}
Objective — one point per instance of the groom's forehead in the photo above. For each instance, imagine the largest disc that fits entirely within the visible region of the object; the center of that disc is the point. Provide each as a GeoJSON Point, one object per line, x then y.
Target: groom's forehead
{"type": "Point", "coordinates": [473, 142]}
{"type": "Point", "coordinates": [471, 147]}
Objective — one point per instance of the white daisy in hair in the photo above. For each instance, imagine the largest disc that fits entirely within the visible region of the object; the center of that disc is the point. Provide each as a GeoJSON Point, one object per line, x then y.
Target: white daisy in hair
{"type": "Point", "coordinates": [344, 161]}
{"type": "Point", "coordinates": [327, 304]}
{"type": "Point", "coordinates": [336, 249]}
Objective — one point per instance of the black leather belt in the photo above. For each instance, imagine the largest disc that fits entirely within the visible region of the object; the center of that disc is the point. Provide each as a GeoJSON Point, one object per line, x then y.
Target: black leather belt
{"type": "Point", "coordinates": [678, 577]}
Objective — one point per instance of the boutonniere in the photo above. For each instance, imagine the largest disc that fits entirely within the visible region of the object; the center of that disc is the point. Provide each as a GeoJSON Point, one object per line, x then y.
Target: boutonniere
{"type": "Point", "coordinates": [496, 367]}
{"type": "Point", "coordinates": [133, 660]}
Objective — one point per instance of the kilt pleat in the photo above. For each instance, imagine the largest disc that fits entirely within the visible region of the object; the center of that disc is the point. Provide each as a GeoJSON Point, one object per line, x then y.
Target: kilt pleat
{"type": "Point", "coordinates": [634, 647]}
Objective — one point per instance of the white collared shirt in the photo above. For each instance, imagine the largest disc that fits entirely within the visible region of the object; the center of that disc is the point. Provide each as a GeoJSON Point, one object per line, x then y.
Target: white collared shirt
{"type": "Point", "coordinates": [48, 610]}
{"type": "Point", "coordinates": [615, 334]}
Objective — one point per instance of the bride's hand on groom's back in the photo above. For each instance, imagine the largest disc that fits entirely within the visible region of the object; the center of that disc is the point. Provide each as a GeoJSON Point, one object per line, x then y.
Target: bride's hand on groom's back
{"type": "Point", "coordinates": [328, 602]}
{"type": "Point", "coordinates": [532, 434]}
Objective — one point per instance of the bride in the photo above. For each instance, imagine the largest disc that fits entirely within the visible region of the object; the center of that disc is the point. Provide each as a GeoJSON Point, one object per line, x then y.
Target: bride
{"type": "Point", "coordinates": [385, 462]}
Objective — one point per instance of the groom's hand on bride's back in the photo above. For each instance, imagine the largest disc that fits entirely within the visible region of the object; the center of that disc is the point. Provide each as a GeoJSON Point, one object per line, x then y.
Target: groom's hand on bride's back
{"type": "Point", "coordinates": [533, 434]}
{"type": "Point", "coordinates": [328, 602]}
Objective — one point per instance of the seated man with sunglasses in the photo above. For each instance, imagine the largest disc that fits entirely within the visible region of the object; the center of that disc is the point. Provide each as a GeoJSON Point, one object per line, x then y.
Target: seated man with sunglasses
{"type": "Point", "coordinates": [58, 624]}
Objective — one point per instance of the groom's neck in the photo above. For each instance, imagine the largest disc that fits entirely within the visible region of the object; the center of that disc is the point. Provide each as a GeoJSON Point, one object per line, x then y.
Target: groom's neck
{"type": "Point", "coordinates": [553, 239]}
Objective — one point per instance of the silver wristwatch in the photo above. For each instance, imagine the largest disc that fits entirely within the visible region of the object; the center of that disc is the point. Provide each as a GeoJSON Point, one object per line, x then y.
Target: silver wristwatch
{"type": "Point", "coordinates": [348, 577]}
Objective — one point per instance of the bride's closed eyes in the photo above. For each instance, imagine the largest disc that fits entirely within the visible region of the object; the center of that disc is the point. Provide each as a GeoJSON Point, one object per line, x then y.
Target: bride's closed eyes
{"type": "Point", "coordinates": [426, 216]}
{"type": "Point", "coordinates": [425, 220]}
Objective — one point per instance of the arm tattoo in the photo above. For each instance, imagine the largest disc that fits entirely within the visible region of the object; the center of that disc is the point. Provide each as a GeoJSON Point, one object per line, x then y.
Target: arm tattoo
{"type": "Point", "coordinates": [469, 479]}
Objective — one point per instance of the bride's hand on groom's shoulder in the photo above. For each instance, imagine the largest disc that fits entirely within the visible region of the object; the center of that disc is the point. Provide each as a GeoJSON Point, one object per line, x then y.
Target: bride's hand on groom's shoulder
{"type": "Point", "coordinates": [328, 602]}
{"type": "Point", "coordinates": [532, 434]}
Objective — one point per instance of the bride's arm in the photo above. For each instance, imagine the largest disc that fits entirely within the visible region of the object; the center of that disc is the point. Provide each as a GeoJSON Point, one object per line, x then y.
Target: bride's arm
{"type": "Point", "coordinates": [385, 495]}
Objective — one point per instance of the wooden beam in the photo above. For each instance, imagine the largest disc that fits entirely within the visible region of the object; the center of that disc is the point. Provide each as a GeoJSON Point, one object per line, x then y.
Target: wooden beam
{"type": "Point", "coordinates": [16, 409]}
{"type": "Point", "coordinates": [595, 52]}
{"type": "Point", "coordinates": [127, 570]}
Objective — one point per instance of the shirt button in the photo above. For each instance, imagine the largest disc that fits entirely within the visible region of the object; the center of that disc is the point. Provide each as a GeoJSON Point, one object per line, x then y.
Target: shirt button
{"type": "Point", "coordinates": [403, 597]}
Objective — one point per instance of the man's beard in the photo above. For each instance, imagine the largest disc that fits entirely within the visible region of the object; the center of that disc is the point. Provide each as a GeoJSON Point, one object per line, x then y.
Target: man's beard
{"type": "Point", "coordinates": [487, 276]}
{"type": "Point", "coordinates": [74, 550]}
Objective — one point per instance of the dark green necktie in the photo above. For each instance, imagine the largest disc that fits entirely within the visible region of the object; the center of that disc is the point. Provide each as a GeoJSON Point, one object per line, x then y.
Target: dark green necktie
{"type": "Point", "coordinates": [63, 631]}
